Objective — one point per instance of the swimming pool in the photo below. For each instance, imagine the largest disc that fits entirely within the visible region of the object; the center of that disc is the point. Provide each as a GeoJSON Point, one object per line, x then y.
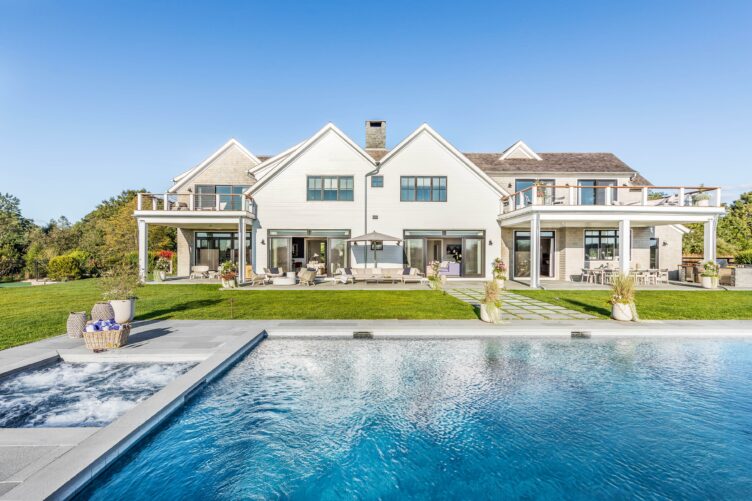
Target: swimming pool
{"type": "Point", "coordinates": [80, 394]}
{"type": "Point", "coordinates": [535, 418]}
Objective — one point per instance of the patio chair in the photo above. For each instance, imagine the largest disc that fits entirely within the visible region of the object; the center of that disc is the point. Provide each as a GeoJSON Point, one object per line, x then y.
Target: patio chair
{"type": "Point", "coordinates": [662, 276]}
{"type": "Point", "coordinates": [307, 277]}
{"type": "Point", "coordinates": [199, 271]}
{"type": "Point", "coordinates": [344, 275]}
{"type": "Point", "coordinates": [412, 275]}
{"type": "Point", "coordinates": [254, 279]}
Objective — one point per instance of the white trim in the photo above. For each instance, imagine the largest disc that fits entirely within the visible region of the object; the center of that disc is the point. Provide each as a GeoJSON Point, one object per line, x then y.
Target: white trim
{"type": "Point", "coordinates": [308, 143]}
{"type": "Point", "coordinates": [425, 128]}
{"type": "Point", "coordinates": [520, 146]}
{"type": "Point", "coordinates": [275, 158]}
{"type": "Point", "coordinates": [188, 175]}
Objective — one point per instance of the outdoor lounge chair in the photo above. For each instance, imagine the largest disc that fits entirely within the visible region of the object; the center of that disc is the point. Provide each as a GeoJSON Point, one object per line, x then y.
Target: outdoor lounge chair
{"type": "Point", "coordinates": [344, 275]}
{"type": "Point", "coordinates": [254, 279]}
{"type": "Point", "coordinates": [307, 277]}
{"type": "Point", "coordinates": [411, 275]}
{"type": "Point", "coordinates": [199, 271]}
{"type": "Point", "coordinates": [274, 272]}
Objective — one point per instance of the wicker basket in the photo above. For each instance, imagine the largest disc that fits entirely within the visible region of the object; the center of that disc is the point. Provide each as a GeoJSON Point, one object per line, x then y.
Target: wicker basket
{"type": "Point", "coordinates": [107, 340]}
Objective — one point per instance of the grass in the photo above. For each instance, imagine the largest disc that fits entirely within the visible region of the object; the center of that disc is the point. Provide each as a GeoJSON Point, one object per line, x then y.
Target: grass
{"type": "Point", "coordinates": [31, 313]}
{"type": "Point", "coordinates": [15, 284]}
{"type": "Point", "coordinates": [658, 305]}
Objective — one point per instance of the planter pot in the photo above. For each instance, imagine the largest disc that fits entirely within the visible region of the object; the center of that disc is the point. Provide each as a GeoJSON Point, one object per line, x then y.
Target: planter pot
{"type": "Point", "coordinates": [76, 324]}
{"type": "Point", "coordinates": [709, 282]}
{"type": "Point", "coordinates": [156, 277]}
{"type": "Point", "coordinates": [490, 313]}
{"type": "Point", "coordinates": [702, 203]}
{"type": "Point", "coordinates": [621, 312]}
{"type": "Point", "coordinates": [229, 284]}
{"type": "Point", "coordinates": [124, 309]}
{"type": "Point", "coordinates": [500, 283]}
{"type": "Point", "coordinates": [102, 311]}
{"type": "Point", "coordinates": [162, 275]}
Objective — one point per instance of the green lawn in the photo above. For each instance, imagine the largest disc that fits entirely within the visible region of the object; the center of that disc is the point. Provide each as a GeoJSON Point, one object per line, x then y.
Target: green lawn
{"type": "Point", "coordinates": [31, 313]}
{"type": "Point", "coordinates": [658, 305]}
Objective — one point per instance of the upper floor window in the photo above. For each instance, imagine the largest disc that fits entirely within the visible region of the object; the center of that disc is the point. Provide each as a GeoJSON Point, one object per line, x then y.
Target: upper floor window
{"type": "Point", "coordinates": [377, 181]}
{"type": "Point", "coordinates": [226, 197]}
{"type": "Point", "coordinates": [593, 193]}
{"type": "Point", "coordinates": [330, 188]}
{"type": "Point", "coordinates": [545, 190]}
{"type": "Point", "coordinates": [423, 189]}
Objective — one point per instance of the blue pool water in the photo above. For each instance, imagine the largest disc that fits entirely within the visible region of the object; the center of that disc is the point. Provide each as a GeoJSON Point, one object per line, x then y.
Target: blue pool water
{"type": "Point", "coordinates": [588, 419]}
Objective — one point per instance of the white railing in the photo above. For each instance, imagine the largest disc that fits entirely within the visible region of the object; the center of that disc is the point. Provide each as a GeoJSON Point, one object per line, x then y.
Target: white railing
{"type": "Point", "coordinates": [646, 196]}
{"type": "Point", "coordinates": [192, 202]}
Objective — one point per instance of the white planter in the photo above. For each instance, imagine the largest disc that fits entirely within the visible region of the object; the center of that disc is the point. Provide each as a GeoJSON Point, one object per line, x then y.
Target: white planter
{"type": "Point", "coordinates": [125, 310]}
{"type": "Point", "coordinates": [621, 311]}
{"type": "Point", "coordinates": [229, 284]}
{"type": "Point", "coordinates": [162, 275]}
{"type": "Point", "coordinates": [490, 313]}
{"type": "Point", "coordinates": [500, 283]}
{"type": "Point", "coordinates": [702, 203]}
{"type": "Point", "coordinates": [709, 282]}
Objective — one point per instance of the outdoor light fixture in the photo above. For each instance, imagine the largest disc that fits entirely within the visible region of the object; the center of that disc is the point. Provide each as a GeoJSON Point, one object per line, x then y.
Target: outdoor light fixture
{"type": "Point", "coordinates": [263, 242]}
{"type": "Point", "coordinates": [490, 242]}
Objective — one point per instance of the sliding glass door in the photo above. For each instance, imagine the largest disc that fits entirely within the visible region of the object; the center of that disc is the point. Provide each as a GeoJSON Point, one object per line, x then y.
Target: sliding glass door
{"type": "Point", "coordinates": [472, 257]}
{"type": "Point", "coordinates": [215, 247]}
{"type": "Point", "coordinates": [464, 250]}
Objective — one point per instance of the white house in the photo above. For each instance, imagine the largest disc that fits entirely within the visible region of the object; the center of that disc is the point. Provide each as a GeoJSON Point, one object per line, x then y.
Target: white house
{"type": "Point", "coordinates": [463, 209]}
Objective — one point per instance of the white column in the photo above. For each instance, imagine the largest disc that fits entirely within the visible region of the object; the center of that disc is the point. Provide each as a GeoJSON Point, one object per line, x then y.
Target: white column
{"type": "Point", "coordinates": [625, 245]}
{"type": "Point", "coordinates": [241, 254]}
{"type": "Point", "coordinates": [710, 239]}
{"type": "Point", "coordinates": [143, 249]}
{"type": "Point", "coordinates": [535, 251]}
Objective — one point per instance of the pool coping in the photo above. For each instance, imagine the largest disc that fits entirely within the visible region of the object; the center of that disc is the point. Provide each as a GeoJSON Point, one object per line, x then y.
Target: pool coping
{"type": "Point", "coordinates": [73, 470]}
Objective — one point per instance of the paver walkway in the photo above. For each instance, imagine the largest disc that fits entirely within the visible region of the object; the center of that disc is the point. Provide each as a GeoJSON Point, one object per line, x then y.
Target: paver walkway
{"type": "Point", "coordinates": [517, 307]}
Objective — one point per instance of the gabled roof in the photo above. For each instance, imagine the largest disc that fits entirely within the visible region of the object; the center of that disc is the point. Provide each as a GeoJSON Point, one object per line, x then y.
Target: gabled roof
{"type": "Point", "coordinates": [294, 153]}
{"type": "Point", "coordinates": [521, 151]}
{"type": "Point", "coordinates": [426, 129]}
{"type": "Point", "coordinates": [189, 174]}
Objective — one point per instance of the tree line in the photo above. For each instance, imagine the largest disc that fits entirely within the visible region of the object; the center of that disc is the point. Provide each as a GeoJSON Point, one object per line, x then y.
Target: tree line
{"type": "Point", "coordinates": [103, 238]}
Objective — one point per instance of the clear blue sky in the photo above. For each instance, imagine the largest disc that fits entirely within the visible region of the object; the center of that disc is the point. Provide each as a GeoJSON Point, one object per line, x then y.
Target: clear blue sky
{"type": "Point", "coordinates": [100, 96]}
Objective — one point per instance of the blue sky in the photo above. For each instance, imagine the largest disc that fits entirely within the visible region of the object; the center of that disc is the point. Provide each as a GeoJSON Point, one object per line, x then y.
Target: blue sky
{"type": "Point", "coordinates": [96, 97]}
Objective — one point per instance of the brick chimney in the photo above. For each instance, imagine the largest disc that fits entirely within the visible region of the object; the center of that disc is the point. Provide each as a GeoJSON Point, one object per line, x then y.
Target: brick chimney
{"type": "Point", "coordinates": [375, 134]}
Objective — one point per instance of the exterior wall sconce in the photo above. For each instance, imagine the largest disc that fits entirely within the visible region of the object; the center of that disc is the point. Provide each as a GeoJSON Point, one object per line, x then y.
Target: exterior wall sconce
{"type": "Point", "coordinates": [490, 243]}
{"type": "Point", "coordinates": [263, 242]}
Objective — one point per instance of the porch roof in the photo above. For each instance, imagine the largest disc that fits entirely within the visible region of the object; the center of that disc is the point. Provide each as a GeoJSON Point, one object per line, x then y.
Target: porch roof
{"type": "Point", "coordinates": [194, 219]}
{"type": "Point", "coordinates": [582, 215]}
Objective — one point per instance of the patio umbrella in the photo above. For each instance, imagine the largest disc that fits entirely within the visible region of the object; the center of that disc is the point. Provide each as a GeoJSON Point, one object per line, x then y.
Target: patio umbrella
{"type": "Point", "coordinates": [374, 236]}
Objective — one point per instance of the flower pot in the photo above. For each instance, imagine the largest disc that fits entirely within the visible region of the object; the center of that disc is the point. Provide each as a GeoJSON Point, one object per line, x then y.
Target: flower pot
{"type": "Point", "coordinates": [229, 284]}
{"type": "Point", "coordinates": [156, 277]}
{"type": "Point", "coordinates": [702, 203]}
{"type": "Point", "coordinates": [162, 275]}
{"type": "Point", "coordinates": [124, 310]}
{"type": "Point", "coordinates": [709, 282]}
{"type": "Point", "coordinates": [621, 311]}
{"type": "Point", "coordinates": [102, 311]}
{"type": "Point", "coordinates": [76, 324]}
{"type": "Point", "coordinates": [490, 313]}
{"type": "Point", "coordinates": [500, 283]}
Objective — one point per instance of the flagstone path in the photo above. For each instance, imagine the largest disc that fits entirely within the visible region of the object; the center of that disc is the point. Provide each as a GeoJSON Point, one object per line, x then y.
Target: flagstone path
{"type": "Point", "coordinates": [518, 307]}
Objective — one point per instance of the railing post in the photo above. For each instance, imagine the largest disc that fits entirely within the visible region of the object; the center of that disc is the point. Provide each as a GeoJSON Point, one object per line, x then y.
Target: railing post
{"type": "Point", "coordinates": [608, 195]}
{"type": "Point", "coordinates": [644, 195]}
{"type": "Point", "coordinates": [718, 197]}
{"type": "Point", "coordinates": [139, 201]}
{"type": "Point", "coordinates": [153, 203]}
{"type": "Point", "coordinates": [534, 195]}
{"type": "Point", "coordinates": [216, 201]}
{"type": "Point", "coordinates": [191, 201]}
{"type": "Point", "coordinates": [166, 202]}
{"type": "Point", "coordinates": [682, 196]}
{"type": "Point", "coordinates": [572, 196]}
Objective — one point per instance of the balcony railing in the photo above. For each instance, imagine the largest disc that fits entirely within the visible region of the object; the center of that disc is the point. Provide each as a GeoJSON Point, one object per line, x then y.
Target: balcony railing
{"type": "Point", "coordinates": [579, 196]}
{"type": "Point", "coordinates": [193, 202]}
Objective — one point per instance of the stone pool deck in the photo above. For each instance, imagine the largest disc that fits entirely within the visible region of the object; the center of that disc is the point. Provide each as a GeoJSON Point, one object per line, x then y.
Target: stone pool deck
{"type": "Point", "coordinates": [53, 462]}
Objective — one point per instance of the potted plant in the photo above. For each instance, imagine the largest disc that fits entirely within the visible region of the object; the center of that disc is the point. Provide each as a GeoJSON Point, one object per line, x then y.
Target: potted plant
{"type": "Point", "coordinates": [540, 192]}
{"type": "Point", "coordinates": [434, 280]}
{"type": "Point", "coordinates": [490, 305]}
{"type": "Point", "coordinates": [622, 298]}
{"type": "Point", "coordinates": [710, 274]}
{"type": "Point", "coordinates": [228, 271]}
{"type": "Point", "coordinates": [119, 285]}
{"type": "Point", "coordinates": [499, 271]}
{"type": "Point", "coordinates": [161, 267]}
{"type": "Point", "coordinates": [700, 199]}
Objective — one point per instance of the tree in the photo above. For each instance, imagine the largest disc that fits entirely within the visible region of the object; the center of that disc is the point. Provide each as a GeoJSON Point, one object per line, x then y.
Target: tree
{"type": "Point", "coordinates": [14, 236]}
{"type": "Point", "coordinates": [734, 230]}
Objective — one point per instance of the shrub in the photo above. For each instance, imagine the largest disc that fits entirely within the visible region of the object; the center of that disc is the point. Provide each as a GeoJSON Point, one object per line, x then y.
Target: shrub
{"type": "Point", "coordinates": [491, 297]}
{"type": "Point", "coordinates": [744, 257]}
{"type": "Point", "coordinates": [84, 261]}
{"type": "Point", "coordinates": [710, 269]}
{"type": "Point", "coordinates": [63, 268]}
{"type": "Point", "coordinates": [622, 290]}
{"type": "Point", "coordinates": [120, 282]}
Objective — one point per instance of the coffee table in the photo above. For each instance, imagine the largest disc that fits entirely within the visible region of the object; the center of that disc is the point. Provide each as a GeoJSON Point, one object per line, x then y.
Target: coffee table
{"type": "Point", "coordinates": [286, 280]}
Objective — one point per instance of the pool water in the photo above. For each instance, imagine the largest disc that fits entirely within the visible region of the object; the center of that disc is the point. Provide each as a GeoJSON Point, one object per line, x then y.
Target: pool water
{"type": "Point", "coordinates": [448, 419]}
{"type": "Point", "coordinates": [85, 394]}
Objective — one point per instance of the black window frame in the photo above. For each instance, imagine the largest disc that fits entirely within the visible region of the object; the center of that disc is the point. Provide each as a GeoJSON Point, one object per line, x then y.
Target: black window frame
{"type": "Point", "coordinates": [323, 189]}
{"type": "Point", "coordinates": [600, 235]}
{"type": "Point", "coordinates": [414, 188]}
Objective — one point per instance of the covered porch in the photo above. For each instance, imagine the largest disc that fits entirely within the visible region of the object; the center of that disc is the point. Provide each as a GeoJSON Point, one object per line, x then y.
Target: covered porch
{"type": "Point", "coordinates": [555, 239]}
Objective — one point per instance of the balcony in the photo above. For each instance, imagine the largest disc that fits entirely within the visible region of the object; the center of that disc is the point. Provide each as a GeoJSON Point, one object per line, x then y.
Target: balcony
{"type": "Point", "coordinates": [193, 203]}
{"type": "Point", "coordinates": [611, 198]}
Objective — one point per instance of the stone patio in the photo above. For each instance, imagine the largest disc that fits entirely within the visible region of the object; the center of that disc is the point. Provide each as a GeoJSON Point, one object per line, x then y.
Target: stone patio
{"type": "Point", "coordinates": [517, 307]}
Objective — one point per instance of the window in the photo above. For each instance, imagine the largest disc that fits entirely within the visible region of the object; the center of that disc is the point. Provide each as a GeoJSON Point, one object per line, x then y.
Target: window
{"type": "Point", "coordinates": [547, 190]}
{"type": "Point", "coordinates": [377, 181]}
{"type": "Point", "coordinates": [423, 189]}
{"type": "Point", "coordinates": [230, 196]}
{"type": "Point", "coordinates": [601, 245]}
{"type": "Point", "coordinates": [330, 188]}
{"type": "Point", "coordinates": [591, 195]}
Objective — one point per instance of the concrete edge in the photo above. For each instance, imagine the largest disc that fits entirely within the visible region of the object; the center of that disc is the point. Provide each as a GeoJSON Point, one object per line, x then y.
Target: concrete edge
{"type": "Point", "coordinates": [31, 363]}
{"type": "Point", "coordinates": [72, 471]}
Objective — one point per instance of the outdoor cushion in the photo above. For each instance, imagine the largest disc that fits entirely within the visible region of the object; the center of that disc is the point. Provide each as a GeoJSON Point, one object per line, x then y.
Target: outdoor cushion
{"type": "Point", "coordinates": [348, 271]}
{"type": "Point", "coordinates": [407, 271]}
{"type": "Point", "coordinates": [274, 270]}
